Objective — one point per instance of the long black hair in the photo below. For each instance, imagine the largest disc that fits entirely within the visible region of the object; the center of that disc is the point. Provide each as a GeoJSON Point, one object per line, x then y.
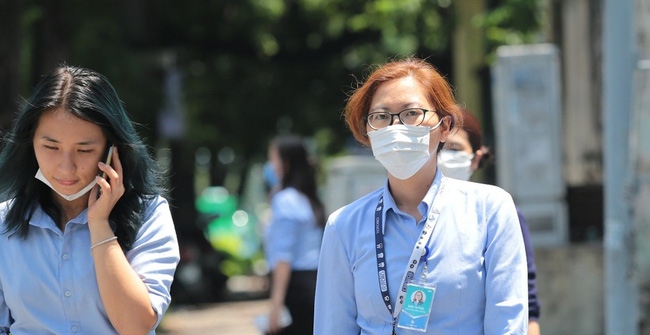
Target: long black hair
{"type": "Point", "coordinates": [299, 172]}
{"type": "Point", "coordinates": [87, 95]}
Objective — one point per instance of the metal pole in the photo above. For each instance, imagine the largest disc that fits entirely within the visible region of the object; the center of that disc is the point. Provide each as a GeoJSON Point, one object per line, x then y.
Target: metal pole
{"type": "Point", "coordinates": [619, 61]}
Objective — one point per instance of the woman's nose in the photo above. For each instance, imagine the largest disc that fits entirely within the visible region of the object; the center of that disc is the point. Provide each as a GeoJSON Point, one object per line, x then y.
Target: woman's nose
{"type": "Point", "coordinates": [67, 162]}
{"type": "Point", "coordinates": [394, 119]}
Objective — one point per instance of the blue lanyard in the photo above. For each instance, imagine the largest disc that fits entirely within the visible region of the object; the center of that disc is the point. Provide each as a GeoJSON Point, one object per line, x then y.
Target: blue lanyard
{"type": "Point", "coordinates": [411, 266]}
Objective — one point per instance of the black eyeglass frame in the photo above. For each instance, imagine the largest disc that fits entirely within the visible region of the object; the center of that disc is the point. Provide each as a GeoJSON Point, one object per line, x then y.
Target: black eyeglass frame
{"type": "Point", "coordinates": [399, 116]}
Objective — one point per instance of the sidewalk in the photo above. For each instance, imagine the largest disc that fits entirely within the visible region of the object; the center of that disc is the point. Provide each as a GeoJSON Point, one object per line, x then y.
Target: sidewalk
{"type": "Point", "coordinates": [247, 297]}
{"type": "Point", "coordinates": [227, 318]}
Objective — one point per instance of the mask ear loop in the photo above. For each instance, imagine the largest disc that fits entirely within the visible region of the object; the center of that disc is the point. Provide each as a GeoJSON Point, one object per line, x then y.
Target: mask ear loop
{"type": "Point", "coordinates": [442, 144]}
{"type": "Point", "coordinates": [437, 125]}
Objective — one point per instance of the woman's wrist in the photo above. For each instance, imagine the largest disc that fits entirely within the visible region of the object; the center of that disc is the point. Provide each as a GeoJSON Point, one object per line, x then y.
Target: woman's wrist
{"type": "Point", "coordinates": [100, 233]}
{"type": "Point", "coordinates": [102, 242]}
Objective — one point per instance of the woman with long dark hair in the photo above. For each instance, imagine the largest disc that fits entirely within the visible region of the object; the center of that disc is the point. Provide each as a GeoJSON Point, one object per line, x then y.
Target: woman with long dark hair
{"type": "Point", "coordinates": [82, 253]}
{"type": "Point", "coordinates": [293, 237]}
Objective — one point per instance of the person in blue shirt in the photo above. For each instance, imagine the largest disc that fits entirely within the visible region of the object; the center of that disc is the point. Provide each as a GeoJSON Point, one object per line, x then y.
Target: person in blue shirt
{"type": "Point", "coordinates": [463, 153]}
{"type": "Point", "coordinates": [81, 253]}
{"type": "Point", "coordinates": [293, 237]}
{"type": "Point", "coordinates": [458, 240]}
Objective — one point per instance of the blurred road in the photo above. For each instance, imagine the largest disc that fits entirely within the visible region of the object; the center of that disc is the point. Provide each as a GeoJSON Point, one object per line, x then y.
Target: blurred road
{"type": "Point", "coordinates": [246, 297]}
{"type": "Point", "coordinates": [227, 318]}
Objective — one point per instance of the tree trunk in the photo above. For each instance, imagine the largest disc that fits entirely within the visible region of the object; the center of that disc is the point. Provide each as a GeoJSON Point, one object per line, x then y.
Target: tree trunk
{"type": "Point", "coordinates": [10, 46]}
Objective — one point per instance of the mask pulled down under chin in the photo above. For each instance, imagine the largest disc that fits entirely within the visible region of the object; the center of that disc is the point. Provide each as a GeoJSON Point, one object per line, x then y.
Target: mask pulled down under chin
{"type": "Point", "coordinates": [402, 149]}
{"type": "Point", "coordinates": [455, 164]}
{"type": "Point", "coordinates": [39, 175]}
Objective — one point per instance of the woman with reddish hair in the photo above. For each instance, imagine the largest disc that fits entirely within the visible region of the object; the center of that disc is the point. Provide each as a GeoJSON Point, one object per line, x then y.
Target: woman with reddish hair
{"type": "Point", "coordinates": [456, 241]}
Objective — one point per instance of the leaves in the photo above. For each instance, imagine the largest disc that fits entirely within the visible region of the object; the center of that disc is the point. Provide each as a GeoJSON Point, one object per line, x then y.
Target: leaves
{"type": "Point", "coordinates": [511, 22]}
{"type": "Point", "coordinates": [252, 68]}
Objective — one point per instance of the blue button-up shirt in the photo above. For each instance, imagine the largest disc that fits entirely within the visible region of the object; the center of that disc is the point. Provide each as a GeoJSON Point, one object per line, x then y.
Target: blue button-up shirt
{"type": "Point", "coordinates": [48, 284]}
{"type": "Point", "coordinates": [476, 261]}
{"type": "Point", "coordinates": [292, 235]}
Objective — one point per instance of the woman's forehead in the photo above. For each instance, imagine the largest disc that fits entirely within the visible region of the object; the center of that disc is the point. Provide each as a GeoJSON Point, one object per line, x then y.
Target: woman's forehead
{"type": "Point", "coordinates": [60, 125]}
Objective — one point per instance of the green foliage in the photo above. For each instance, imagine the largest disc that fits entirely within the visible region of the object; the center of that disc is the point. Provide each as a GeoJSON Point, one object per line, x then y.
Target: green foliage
{"type": "Point", "coordinates": [250, 68]}
{"type": "Point", "coordinates": [511, 22]}
{"type": "Point", "coordinates": [294, 62]}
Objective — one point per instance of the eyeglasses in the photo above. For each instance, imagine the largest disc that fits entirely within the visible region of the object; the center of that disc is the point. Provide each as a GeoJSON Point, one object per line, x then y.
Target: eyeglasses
{"type": "Point", "coordinates": [409, 116]}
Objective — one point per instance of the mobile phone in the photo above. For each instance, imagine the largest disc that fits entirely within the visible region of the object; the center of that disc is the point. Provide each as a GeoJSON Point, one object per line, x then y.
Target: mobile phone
{"type": "Point", "coordinates": [107, 161]}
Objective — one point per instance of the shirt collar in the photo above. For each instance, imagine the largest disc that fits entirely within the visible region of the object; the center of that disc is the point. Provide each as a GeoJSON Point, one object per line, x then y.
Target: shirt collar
{"type": "Point", "coordinates": [425, 205]}
{"type": "Point", "coordinates": [41, 220]}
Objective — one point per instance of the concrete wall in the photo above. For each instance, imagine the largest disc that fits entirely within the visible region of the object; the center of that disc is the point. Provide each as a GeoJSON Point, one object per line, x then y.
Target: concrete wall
{"type": "Point", "coordinates": [570, 287]}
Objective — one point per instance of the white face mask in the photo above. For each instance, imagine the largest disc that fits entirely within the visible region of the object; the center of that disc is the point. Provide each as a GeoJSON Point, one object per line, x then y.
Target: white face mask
{"type": "Point", "coordinates": [41, 177]}
{"type": "Point", "coordinates": [401, 149]}
{"type": "Point", "coordinates": [455, 164]}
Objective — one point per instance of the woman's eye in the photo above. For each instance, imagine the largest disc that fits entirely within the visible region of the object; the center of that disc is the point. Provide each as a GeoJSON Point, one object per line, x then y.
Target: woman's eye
{"type": "Point", "coordinates": [380, 116]}
{"type": "Point", "coordinates": [50, 147]}
{"type": "Point", "coordinates": [85, 151]}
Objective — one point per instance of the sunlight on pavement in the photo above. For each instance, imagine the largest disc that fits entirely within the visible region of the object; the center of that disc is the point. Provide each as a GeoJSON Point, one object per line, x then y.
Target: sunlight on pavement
{"type": "Point", "coordinates": [228, 318]}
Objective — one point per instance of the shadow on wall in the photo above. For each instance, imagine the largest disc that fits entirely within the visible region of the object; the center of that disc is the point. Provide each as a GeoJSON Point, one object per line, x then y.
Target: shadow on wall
{"type": "Point", "coordinates": [586, 215]}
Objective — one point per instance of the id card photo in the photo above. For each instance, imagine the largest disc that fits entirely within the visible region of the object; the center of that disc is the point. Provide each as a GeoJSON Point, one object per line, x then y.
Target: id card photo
{"type": "Point", "coordinates": [417, 307]}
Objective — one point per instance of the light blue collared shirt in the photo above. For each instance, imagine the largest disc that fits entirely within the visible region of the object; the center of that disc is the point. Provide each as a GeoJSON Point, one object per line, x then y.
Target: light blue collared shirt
{"type": "Point", "coordinates": [476, 260]}
{"type": "Point", "coordinates": [48, 284]}
{"type": "Point", "coordinates": [292, 235]}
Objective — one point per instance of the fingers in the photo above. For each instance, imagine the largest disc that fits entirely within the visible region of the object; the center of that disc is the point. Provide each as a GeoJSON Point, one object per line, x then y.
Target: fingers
{"type": "Point", "coordinates": [113, 173]}
{"type": "Point", "coordinates": [114, 170]}
{"type": "Point", "coordinates": [118, 163]}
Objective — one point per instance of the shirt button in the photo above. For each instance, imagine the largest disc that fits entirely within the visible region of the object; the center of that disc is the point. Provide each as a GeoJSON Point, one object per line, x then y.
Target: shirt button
{"type": "Point", "coordinates": [66, 257]}
{"type": "Point", "coordinates": [67, 293]}
{"type": "Point", "coordinates": [74, 329]}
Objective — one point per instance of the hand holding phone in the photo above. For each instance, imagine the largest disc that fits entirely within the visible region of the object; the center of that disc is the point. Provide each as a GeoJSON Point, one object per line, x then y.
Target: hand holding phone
{"type": "Point", "coordinates": [107, 161]}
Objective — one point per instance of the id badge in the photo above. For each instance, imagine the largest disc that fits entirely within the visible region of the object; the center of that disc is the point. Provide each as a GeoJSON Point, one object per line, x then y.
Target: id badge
{"type": "Point", "coordinates": [417, 307]}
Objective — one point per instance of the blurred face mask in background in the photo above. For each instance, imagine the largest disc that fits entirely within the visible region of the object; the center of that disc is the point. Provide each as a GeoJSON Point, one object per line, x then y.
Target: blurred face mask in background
{"type": "Point", "coordinates": [270, 177]}
{"type": "Point", "coordinates": [455, 164]}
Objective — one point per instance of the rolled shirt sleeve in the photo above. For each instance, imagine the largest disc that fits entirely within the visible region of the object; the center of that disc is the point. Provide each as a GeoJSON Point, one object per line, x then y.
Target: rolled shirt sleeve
{"type": "Point", "coordinates": [292, 236]}
{"type": "Point", "coordinates": [282, 232]}
{"type": "Point", "coordinates": [155, 254]}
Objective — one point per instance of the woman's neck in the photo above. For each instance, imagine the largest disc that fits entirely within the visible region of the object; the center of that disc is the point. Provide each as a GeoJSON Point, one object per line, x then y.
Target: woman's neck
{"type": "Point", "coordinates": [71, 209]}
{"type": "Point", "coordinates": [408, 193]}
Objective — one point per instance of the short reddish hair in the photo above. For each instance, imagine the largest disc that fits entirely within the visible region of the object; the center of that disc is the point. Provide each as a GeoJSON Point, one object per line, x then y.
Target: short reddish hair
{"type": "Point", "coordinates": [438, 90]}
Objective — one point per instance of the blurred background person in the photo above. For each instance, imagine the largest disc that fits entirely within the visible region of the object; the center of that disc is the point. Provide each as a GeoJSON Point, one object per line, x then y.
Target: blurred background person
{"type": "Point", "coordinates": [293, 236]}
{"type": "Point", "coordinates": [463, 153]}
